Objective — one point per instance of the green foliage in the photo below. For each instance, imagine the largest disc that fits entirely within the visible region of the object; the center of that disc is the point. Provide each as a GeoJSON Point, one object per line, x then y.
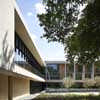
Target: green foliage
{"type": "Point", "coordinates": [59, 22]}
{"type": "Point", "coordinates": [77, 85]}
{"type": "Point", "coordinates": [72, 47]}
{"type": "Point", "coordinates": [59, 19]}
{"type": "Point", "coordinates": [97, 63]}
{"type": "Point", "coordinates": [85, 44]}
{"type": "Point", "coordinates": [68, 82]}
{"type": "Point", "coordinates": [54, 96]}
{"type": "Point", "coordinates": [89, 83]}
{"type": "Point", "coordinates": [97, 80]}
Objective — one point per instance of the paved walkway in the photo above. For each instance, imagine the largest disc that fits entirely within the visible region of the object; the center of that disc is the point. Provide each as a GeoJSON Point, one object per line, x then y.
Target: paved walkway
{"type": "Point", "coordinates": [32, 96]}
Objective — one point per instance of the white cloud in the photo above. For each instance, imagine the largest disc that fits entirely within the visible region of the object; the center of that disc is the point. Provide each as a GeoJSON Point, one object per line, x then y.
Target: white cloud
{"type": "Point", "coordinates": [40, 8]}
{"type": "Point", "coordinates": [29, 14]}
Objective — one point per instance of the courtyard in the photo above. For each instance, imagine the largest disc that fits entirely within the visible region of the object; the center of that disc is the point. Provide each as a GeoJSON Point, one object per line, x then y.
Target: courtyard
{"type": "Point", "coordinates": [69, 96]}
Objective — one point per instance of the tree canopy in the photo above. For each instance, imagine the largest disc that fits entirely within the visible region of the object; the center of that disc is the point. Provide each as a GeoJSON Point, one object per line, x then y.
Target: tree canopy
{"type": "Point", "coordinates": [59, 19]}
{"type": "Point", "coordinates": [59, 23]}
{"type": "Point", "coordinates": [86, 37]}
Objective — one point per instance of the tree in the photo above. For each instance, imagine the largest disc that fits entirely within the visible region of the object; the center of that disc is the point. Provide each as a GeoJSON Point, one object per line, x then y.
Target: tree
{"type": "Point", "coordinates": [72, 47]}
{"type": "Point", "coordinates": [59, 19]}
{"type": "Point", "coordinates": [88, 35]}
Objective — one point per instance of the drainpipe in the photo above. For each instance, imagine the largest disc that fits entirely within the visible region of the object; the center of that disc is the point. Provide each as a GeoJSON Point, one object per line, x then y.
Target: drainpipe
{"type": "Point", "coordinates": [46, 72]}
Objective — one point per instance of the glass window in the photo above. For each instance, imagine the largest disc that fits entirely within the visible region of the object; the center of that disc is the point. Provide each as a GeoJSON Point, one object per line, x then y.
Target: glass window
{"type": "Point", "coordinates": [22, 53]}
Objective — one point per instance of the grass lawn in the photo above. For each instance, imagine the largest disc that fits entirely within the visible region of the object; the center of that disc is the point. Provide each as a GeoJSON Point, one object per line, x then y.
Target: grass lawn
{"type": "Point", "coordinates": [67, 97]}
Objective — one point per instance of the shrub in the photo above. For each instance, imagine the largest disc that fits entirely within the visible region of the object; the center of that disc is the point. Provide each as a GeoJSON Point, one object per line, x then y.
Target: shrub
{"type": "Point", "coordinates": [77, 85]}
{"type": "Point", "coordinates": [88, 83]}
{"type": "Point", "coordinates": [68, 82]}
{"type": "Point", "coordinates": [97, 80]}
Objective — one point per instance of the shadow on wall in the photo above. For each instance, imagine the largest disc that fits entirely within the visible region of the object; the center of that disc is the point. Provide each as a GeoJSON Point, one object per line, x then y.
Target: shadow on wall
{"type": "Point", "coordinates": [7, 55]}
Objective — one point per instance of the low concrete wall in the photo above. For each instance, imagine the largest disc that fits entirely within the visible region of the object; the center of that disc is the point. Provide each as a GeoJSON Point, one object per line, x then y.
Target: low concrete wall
{"type": "Point", "coordinates": [3, 87]}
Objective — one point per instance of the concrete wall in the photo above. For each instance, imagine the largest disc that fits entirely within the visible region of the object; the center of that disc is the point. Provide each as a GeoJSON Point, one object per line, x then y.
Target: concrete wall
{"type": "Point", "coordinates": [16, 86]}
{"type": "Point", "coordinates": [6, 33]}
{"type": "Point", "coordinates": [21, 87]}
{"type": "Point", "coordinates": [3, 87]}
{"type": "Point", "coordinates": [12, 88]}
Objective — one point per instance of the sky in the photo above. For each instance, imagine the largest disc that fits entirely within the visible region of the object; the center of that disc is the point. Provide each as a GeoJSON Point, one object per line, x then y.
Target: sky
{"type": "Point", "coordinates": [29, 10]}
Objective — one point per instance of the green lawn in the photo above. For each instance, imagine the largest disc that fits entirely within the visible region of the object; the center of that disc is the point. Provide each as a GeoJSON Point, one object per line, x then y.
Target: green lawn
{"type": "Point", "coordinates": [67, 97]}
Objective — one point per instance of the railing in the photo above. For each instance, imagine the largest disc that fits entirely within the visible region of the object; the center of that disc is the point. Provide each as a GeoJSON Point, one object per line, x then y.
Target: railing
{"type": "Point", "coordinates": [53, 76]}
{"type": "Point", "coordinates": [21, 61]}
{"type": "Point", "coordinates": [78, 75]}
{"type": "Point", "coordinates": [96, 74]}
{"type": "Point", "coordinates": [29, 68]}
{"type": "Point", "coordinates": [69, 74]}
{"type": "Point", "coordinates": [88, 74]}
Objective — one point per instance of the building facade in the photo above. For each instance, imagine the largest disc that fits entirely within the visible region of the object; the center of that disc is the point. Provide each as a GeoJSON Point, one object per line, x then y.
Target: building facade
{"type": "Point", "coordinates": [21, 66]}
{"type": "Point", "coordinates": [56, 71]}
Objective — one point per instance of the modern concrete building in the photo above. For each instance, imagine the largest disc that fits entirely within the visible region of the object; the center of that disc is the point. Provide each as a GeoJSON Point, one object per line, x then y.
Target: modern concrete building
{"type": "Point", "coordinates": [56, 71]}
{"type": "Point", "coordinates": [20, 63]}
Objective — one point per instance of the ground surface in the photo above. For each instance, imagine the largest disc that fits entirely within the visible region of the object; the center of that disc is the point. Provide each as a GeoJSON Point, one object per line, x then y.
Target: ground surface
{"type": "Point", "coordinates": [75, 96]}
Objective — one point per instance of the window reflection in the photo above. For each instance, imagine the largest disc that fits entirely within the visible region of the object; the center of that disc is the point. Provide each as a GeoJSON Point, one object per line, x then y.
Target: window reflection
{"type": "Point", "coordinates": [53, 70]}
{"type": "Point", "coordinates": [22, 53]}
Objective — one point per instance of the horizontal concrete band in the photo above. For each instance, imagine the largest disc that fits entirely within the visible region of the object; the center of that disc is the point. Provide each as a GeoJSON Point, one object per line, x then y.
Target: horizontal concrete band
{"type": "Point", "coordinates": [18, 71]}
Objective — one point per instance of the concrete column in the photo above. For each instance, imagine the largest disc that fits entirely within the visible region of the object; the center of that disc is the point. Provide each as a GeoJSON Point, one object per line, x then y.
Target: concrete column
{"type": "Point", "coordinates": [10, 88]}
{"type": "Point", "coordinates": [74, 74]}
{"type": "Point", "coordinates": [92, 72]}
{"type": "Point", "coordinates": [46, 72]}
{"type": "Point", "coordinates": [3, 87]}
{"type": "Point", "coordinates": [46, 75]}
{"type": "Point", "coordinates": [83, 72]}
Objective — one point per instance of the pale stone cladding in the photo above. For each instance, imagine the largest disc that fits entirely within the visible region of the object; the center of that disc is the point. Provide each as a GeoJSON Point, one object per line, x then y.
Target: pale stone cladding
{"type": "Point", "coordinates": [6, 32]}
{"type": "Point", "coordinates": [14, 79]}
{"type": "Point", "coordinates": [12, 88]}
{"type": "Point", "coordinates": [3, 87]}
{"type": "Point", "coordinates": [21, 87]}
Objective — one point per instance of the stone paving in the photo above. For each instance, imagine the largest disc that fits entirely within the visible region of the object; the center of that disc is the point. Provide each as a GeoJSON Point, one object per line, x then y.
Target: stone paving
{"type": "Point", "coordinates": [30, 97]}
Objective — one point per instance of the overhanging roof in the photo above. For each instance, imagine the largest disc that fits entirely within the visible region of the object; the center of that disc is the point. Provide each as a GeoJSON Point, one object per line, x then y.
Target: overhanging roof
{"type": "Point", "coordinates": [55, 62]}
{"type": "Point", "coordinates": [23, 32]}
